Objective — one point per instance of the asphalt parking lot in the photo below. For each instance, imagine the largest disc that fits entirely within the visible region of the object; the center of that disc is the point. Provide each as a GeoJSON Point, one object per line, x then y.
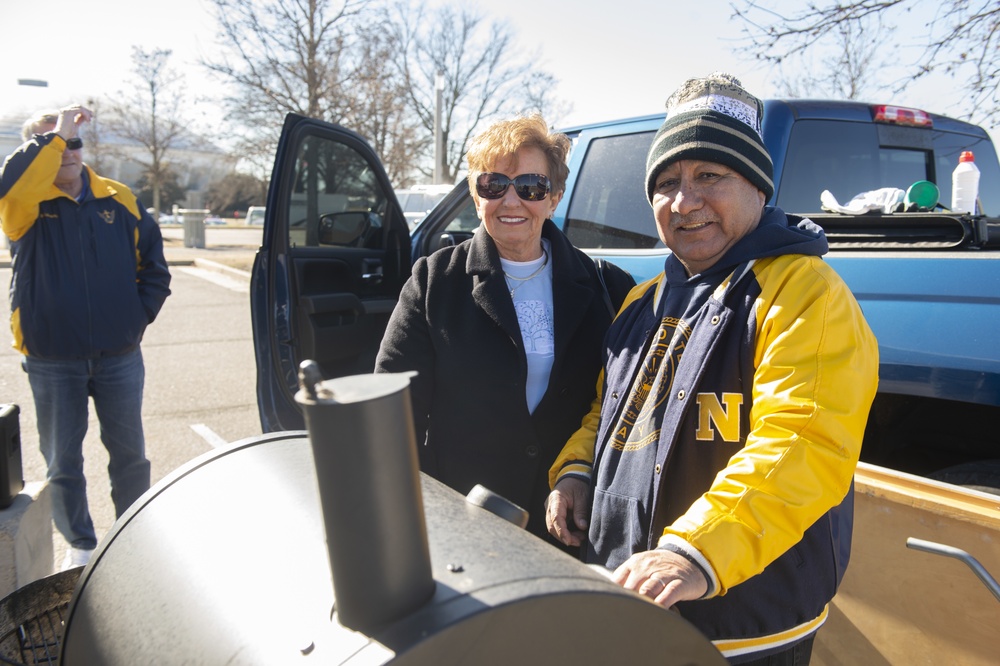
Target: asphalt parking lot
{"type": "Point", "coordinates": [200, 368]}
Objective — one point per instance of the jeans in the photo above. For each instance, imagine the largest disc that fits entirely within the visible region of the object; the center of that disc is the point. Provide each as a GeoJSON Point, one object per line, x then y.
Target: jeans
{"type": "Point", "coordinates": [61, 390]}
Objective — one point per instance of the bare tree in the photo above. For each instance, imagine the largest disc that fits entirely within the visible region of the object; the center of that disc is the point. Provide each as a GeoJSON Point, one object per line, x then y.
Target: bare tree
{"type": "Point", "coordinates": [962, 39]}
{"type": "Point", "coordinates": [149, 114]}
{"type": "Point", "coordinates": [539, 95]}
{"type": "Point", "coordinates": [482, 79]}
{"type": "Point", "coordinates": [377, 107]}
{"type": "Point", "coordinates": [371, 67]}
{"type": "Point", "coordinates": [283, 56]}
{"type": "Point", "coordinates": [235, 191]}
{"type": "Point", "coordinates": [93, 133]}
{"type": "Point", "coordinates": [171, 191]}
{"type": "Point", "coordinates": [859, 52]}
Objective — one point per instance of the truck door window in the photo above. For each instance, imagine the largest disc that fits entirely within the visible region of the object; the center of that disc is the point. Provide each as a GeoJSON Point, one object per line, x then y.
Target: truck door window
{"type": "Point", "coordinates": [609, 208]}
{"type": "Point", "coordinates": [466, 219]}
{"type": "Point", "coordinates": [336, 199]}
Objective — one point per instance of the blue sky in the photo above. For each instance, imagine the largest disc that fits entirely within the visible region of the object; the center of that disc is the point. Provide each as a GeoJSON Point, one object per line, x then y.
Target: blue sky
{"type": "Point", "coordinates": [612, 59]}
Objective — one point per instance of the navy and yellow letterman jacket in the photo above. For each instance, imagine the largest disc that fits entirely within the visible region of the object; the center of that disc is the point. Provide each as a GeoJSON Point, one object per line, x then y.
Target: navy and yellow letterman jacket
{"type": "Point", "coordinates": [734, 406]}
{"type": "Point", "coordinates": [88, 275]}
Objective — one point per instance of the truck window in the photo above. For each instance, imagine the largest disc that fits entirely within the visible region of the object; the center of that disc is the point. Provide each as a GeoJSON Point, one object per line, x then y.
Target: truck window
{"type": "Point", "coordinates": [466, 219]}
{"type": "Point", "coordinates": [845, 158]}
{"type": "Point", "coordinates": [609, 208]}
{"type": "Point", "coordinates": [335, 199]}
{"type": "Point", "coordinates": [947, 148]}
{"type": "Point", "coordinates": [848, 158]}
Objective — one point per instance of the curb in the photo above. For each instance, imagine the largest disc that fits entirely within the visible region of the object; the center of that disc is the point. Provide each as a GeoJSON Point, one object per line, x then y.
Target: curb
{"type": "Point", "coordinates": [206, 264]}
{"type": "Point", "coordinates": [210, 265]}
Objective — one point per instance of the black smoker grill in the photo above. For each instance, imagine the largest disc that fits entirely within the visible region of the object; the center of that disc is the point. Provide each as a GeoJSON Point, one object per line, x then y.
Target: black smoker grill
{"type": "Point", "coordinates": [225, 562]}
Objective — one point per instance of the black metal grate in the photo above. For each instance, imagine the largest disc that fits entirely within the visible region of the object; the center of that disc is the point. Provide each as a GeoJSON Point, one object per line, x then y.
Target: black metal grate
{"type": "Point", "coordinates": [39, 637]}
{"type": "Point", "coordinates": [32, 620]}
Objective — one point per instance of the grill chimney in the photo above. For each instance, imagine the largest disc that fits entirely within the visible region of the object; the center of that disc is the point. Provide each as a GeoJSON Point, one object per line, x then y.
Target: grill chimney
{"type": "Point", "coordinates": [363, 443]}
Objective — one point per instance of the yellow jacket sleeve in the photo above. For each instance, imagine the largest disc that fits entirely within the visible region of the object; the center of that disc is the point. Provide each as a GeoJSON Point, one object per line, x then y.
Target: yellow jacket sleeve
{"type": "Point", "coordinates": [816, 373]}
{"type": "Point", "coordinates": [577, 456]}
{"type": "Point", "coordinates": [33, 182]}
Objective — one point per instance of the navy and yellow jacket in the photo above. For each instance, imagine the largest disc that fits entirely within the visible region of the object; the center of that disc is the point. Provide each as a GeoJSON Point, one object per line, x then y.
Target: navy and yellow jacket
{"type": "Point", "coordinates": [88, 276]}
{"type": "Point", "coordinates": [734, 408]}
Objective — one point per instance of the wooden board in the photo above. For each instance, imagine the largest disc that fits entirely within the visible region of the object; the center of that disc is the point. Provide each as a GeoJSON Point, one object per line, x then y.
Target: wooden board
{"type": "Point", "coordinates": [903, 606]}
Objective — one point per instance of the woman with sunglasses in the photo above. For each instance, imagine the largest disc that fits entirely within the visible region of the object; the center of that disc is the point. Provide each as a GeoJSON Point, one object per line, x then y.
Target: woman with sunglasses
{"type": "Point", "coordinates": [505, 329]}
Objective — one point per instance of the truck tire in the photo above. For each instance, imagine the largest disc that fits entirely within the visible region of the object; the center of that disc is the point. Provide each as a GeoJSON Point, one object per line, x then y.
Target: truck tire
{"type": "Point", "coordinates": [983, 476]}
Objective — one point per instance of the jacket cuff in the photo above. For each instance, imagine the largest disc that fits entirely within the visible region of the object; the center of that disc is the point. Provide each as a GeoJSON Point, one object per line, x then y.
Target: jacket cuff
{"type": "Point", "coordinates": [574, 469]}
{"type": "Point", "coordinates": [675, 544]}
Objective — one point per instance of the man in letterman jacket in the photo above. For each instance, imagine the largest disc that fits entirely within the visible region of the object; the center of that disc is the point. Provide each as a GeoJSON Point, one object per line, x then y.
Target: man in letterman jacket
{"type": "Point", "coordinates": [716, 474]}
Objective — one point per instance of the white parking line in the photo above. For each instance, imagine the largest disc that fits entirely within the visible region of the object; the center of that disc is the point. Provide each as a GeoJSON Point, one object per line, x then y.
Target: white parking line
{"type": "Point", "coordinates": [221, 279]}
{"type": "Point", "coordinates": [208, 435]}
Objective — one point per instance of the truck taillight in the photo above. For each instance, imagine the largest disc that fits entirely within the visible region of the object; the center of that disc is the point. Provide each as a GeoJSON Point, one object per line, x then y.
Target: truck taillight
{"type": "Point", "coordinates": [899, 115]}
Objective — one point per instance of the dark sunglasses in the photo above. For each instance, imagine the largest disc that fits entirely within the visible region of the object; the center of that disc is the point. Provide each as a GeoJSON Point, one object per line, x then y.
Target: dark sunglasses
{"type": "Point", "coordinates": [528, 186]}
{"type": "Point", "coordinates": [76, 143]}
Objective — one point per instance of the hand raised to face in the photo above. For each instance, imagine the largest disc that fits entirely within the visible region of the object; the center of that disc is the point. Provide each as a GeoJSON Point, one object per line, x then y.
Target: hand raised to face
{"type": "Point", "coordinates": [70, 119]}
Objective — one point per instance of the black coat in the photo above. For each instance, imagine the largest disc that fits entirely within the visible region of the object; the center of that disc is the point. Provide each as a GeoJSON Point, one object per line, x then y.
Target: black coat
{"type": "Point", "coordinates": [456, 326]}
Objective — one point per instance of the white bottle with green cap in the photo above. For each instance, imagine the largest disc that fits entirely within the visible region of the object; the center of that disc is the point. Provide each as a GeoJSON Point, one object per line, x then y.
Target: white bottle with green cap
{"type": "Point", "coordinates": [965, 184]}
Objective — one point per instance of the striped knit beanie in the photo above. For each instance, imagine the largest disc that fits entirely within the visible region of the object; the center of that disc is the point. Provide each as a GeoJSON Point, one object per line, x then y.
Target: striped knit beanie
{"type": "Point", "coordinates": [716, 120]}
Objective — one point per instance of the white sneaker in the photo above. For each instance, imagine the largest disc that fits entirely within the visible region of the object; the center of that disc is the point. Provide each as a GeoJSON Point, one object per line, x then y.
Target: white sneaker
{"type": "Point", "coordinates": [76, 557]}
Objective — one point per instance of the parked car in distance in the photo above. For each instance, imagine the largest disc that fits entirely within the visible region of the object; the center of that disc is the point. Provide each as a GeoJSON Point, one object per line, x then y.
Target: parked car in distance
{"type": "Point", "coordinates": [214, 220]}
{"type": "Point", "coordinates": [418, 200]}
{"type": "Point", "coordinates": [163, 218]}
{"type": "Point", "coordinates": [255, 215]}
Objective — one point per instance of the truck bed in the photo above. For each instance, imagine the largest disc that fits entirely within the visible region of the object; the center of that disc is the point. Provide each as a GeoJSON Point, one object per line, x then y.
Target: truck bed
{"type": "Point", "coordinates": [902, 606]}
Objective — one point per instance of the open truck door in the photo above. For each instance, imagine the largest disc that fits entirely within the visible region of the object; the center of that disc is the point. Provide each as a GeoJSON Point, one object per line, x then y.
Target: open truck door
{"type": "Point", "coordinates": [334, 254]}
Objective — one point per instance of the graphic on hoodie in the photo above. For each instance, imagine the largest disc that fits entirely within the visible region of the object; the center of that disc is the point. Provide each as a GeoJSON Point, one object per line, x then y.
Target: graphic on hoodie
{"type": "Point", "coordinates": [640, 421]}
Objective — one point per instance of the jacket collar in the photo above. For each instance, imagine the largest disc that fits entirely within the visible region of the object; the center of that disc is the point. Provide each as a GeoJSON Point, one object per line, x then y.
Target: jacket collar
{"type": "Point", "coordinates": [99, 187]}
{"type": "Point", "coordinates": [484, 259]}
{"type": "Point", "coordinates": [572, 285]}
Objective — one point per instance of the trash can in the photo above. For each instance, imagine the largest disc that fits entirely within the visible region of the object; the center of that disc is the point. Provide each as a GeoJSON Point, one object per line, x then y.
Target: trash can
{"type": "Point", "coordinates": [194, 226]}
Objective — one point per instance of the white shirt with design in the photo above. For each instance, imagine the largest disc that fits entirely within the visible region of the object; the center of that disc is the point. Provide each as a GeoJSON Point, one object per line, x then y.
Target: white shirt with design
{"type": "Point", "coordinates": [532, 296]}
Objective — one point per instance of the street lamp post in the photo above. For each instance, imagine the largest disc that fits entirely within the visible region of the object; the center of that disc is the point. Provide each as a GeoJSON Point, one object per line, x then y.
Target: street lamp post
{"type": "Point", "coordinates": [438, 134]}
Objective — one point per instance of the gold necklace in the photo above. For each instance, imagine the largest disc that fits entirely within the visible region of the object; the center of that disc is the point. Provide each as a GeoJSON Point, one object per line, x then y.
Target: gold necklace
{"type": "Point", "coordinates": [522, 280]}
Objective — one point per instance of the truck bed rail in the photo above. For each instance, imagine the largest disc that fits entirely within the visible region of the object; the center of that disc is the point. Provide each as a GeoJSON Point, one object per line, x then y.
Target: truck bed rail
{"type": "Point", "coordinates": [908, 231]}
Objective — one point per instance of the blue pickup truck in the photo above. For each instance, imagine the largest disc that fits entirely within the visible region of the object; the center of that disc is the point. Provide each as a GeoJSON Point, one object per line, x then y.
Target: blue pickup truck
{"type": "Point", "coordinates": [336, 251]}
